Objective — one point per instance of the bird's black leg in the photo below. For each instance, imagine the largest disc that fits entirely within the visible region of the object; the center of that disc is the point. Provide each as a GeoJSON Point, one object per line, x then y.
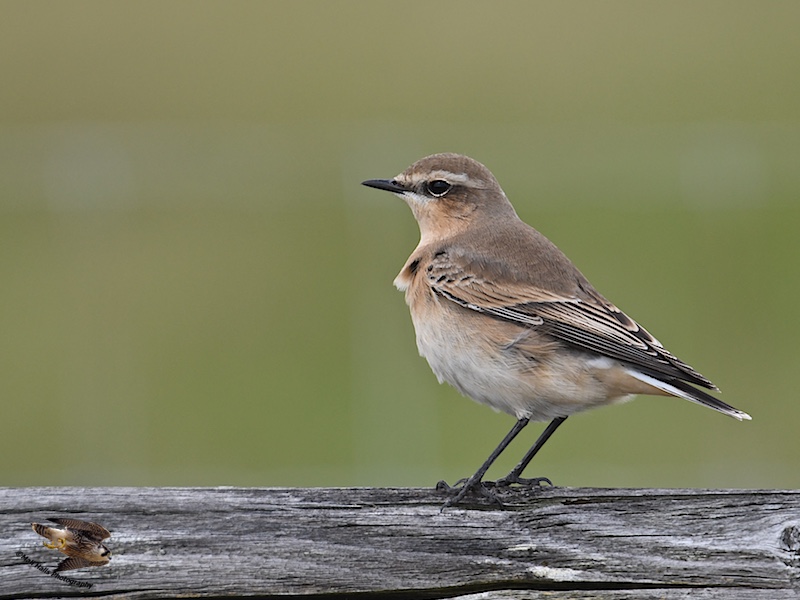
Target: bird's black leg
{"type": "Point", "coordinates": [475, 480]}
{"type": "Point", "coordinates": [514, 475]}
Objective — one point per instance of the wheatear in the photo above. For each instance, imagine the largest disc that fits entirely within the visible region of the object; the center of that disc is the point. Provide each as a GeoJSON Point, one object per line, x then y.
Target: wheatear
{"type": "Point", "coordinates": [502, 315]}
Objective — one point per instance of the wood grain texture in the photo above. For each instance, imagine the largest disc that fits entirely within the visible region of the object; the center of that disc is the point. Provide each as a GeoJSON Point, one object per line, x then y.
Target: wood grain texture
{"type": "Point", "coordinates": [552, 543]}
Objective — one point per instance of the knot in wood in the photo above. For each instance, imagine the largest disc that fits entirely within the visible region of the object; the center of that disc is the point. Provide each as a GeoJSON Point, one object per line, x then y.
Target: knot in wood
{"type": "Point", "coordinates": [790, 539]}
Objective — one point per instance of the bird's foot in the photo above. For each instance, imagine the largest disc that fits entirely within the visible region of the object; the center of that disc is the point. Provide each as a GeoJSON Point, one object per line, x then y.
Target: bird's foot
{"type": "Point", "coordinates": [60, 543]}
{"type": "Point", "coordinates": [533, 482]}
{"type": "Point", "coordinates": [466, 486]}
{"type": "Point", "coordinates": [445, 487]}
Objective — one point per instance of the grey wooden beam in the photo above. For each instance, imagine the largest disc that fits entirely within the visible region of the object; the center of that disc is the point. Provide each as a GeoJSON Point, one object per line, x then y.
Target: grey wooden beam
{"type": "Point", "coordinates": [551, 543]}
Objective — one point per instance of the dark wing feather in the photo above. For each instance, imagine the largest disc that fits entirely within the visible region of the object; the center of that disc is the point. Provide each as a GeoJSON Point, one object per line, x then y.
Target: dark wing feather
{"type": "Point", "coordinates": [590, 327]}
{"type": "Point", "coordinates": [88, 528]}
{"type": "Point", "coordinates": [589, 323]}
{"type": "Point", "coordinates": [73, 562]}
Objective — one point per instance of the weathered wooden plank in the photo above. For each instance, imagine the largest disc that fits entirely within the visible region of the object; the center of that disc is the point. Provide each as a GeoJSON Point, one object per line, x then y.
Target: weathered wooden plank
{"type": "Point", "coordinates": [554, 543]}
{"type": "Point", "coordinates": [635, 594]}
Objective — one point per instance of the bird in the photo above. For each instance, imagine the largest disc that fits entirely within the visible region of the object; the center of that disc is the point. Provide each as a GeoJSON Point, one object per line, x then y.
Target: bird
{"type": "Point", "coordinates": [502, 315]}
{"type": "Point", "coordinates": [81, 541]}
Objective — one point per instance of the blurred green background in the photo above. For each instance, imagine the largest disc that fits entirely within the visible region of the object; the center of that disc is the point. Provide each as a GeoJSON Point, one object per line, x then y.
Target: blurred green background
{"type": "Point", "coordinates": [195, 289]}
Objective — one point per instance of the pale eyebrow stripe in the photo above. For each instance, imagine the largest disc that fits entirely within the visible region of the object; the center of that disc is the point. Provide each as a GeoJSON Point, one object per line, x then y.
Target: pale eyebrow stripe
{"type": "Point", "coordinates": [456, 178]}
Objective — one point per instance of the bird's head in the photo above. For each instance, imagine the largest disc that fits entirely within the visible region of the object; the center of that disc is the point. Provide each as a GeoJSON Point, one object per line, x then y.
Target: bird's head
{"type": "Point", "coordinates": [448, 193]}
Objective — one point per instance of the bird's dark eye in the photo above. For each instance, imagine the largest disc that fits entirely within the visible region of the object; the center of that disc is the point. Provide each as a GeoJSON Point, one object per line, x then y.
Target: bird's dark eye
{"type": "Point", "coordinates": [438, 187]}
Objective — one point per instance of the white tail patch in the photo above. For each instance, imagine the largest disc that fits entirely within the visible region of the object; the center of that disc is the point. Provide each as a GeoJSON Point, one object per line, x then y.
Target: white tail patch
{"type": "Point", "coordinates": [673, 391]}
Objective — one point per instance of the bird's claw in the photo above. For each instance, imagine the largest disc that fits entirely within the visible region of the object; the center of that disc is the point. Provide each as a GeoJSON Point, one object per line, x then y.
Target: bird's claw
{"type": "Point", "coordinates": [443, 486]}
{"type": "Point", "coordinates": [530, 483]}
{"type": "Point", "coordinates": [463, 487]}
{"type": "Point", "coordinates": [488, 489]}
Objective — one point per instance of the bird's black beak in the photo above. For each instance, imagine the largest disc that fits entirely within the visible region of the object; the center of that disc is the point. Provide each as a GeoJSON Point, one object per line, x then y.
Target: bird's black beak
{"type": "Point", "coordinates": [390, 185]}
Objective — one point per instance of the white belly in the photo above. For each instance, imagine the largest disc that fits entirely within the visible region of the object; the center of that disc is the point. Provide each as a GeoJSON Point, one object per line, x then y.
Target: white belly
{"type": "Point", "coordinates": [560, 384]}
